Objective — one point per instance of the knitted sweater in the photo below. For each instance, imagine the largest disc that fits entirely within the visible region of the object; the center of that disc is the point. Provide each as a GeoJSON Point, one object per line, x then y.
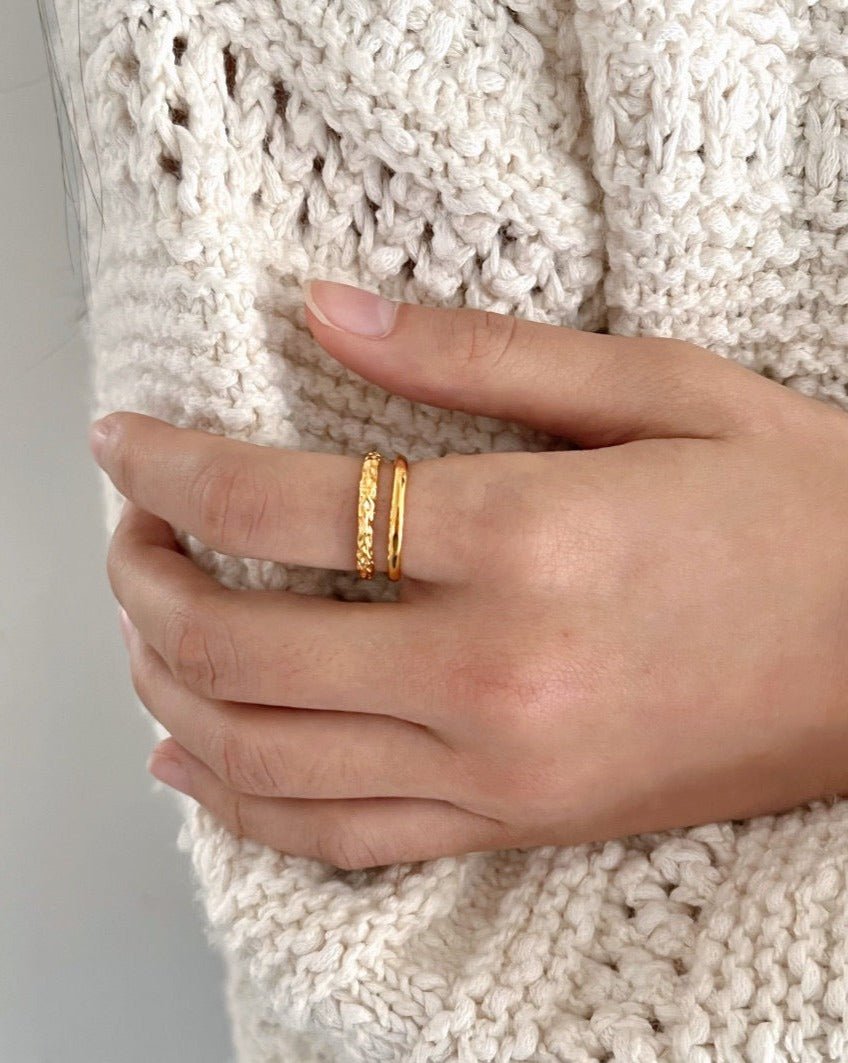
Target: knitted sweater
{"type": "Point", "coordinates": [655, 167]}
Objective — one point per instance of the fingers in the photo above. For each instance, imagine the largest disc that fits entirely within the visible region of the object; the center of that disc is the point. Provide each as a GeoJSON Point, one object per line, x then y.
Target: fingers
{"type": "Point", "coordinates": [596, 390]}
{"type": "Point", "coordinates": [274, 648]}
{"type": "Point", "coordinates": [295, 753]}
{"type": "Point", "coordinates": [296, 507]}
{"type": "Point", "coordinates": [349, 834]}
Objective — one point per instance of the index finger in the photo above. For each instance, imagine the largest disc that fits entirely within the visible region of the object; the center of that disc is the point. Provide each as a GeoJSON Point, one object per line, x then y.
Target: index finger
{"type": "Point", "coordinates": [293, 506]}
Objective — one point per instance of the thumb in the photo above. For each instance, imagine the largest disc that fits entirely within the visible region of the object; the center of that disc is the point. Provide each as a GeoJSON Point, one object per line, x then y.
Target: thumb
{"type": "Point", "coordinates": [593, 389]}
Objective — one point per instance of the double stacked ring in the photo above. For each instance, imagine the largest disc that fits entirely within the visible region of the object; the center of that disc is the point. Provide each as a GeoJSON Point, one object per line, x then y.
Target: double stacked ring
{"type": "Point", "coordinates": [365, 515]}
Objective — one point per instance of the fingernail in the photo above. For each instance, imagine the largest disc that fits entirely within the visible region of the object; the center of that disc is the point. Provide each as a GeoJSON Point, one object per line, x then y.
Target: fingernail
{"type": "Point", "coordinates": [170, 772]}
{"type": "Point", "coordinates": [350, 309]}
{"type": "Point", "coordinates": [98, 436]}
{"type": "Point", "coordinates": [127, 627]}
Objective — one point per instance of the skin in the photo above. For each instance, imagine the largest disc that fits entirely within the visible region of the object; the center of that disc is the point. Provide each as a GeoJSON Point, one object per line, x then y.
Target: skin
{"type": "Point", "coordinates": [646, 633]}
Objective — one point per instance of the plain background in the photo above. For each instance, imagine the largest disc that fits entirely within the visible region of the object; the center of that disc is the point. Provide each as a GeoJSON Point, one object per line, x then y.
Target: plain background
{"type": "Point", "coordinates": [102, 953]}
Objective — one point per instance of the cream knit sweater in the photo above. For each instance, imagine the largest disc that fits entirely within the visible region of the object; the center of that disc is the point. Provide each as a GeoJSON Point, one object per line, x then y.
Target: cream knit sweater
{"type": "Point", "coordinates": [663, 167]}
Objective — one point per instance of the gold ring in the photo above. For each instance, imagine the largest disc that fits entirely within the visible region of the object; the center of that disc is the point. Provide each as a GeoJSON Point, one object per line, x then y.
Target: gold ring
{"type": "Point", "coordinates": [365, 514]}
{"type": "Point", "coordinates": [400, 470]}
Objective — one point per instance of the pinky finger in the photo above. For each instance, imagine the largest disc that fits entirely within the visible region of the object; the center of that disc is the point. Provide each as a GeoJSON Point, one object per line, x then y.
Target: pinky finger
{"type": "Point", "coordinates": [349, 834]}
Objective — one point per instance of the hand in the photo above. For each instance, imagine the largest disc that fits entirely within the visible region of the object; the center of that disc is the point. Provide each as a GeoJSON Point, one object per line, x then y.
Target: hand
{"type": "Point", "coordinates": [648, 633]}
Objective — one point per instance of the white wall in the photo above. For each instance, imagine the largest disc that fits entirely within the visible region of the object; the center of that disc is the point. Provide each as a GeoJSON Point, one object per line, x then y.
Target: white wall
{"type": "Point", "coordinates": [102, 953]}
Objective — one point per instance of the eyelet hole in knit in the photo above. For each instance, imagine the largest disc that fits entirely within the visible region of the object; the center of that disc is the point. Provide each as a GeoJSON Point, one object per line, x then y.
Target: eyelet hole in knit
{"type": "Point", "coordinates": [230, 67]}
{"type": "Point", "coordinates": [281, 99]}
{"type": "Point", "coordinates": [178, 116]}
{"type": "Point", "coordinates": [180, 45]}
{"type": "Point", "coordinates": [171, 166]}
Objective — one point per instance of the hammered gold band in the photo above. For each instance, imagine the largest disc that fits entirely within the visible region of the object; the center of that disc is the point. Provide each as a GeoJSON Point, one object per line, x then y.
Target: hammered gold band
{"type": "Point", "coordinates": [366, 505]}
{"type": "Point", "coordinates": [365, 515]}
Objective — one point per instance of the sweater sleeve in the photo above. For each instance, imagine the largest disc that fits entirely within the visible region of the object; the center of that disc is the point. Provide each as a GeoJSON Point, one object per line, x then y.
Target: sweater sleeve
{"type": "Point", "coordinates": [599, 165]}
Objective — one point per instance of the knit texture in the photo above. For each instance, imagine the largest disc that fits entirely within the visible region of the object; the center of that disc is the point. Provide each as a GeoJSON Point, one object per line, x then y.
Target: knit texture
{"type": "Point", "coordinates": [669, 168]}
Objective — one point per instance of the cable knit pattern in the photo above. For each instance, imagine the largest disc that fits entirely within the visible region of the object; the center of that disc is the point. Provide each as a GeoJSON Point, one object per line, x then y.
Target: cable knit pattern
{"type": "Point", "coordinates": [675, 167]}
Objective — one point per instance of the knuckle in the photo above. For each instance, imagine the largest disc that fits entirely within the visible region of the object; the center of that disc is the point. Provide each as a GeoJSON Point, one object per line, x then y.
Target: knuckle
{"type": "Point", "coordinates": [688, 361]}
{"type": "Point", "coordinates": [696, 371]}
{"type": "Point", "coordinates": [512, 533]}
{"type": "Point", "coordinates": [519, 695]}
{"type": "Point", "coordinates": [345, 848]}
{"type": "Point", "coordinates": [527, 774]}
{"type": "Point", "coordinates": [232, 498]}
{"type": "Point", "coordinates": [199, 649]}
{"type": "Point", "coordinates": [490, 685]}
{"type": "Point", "coordinates": [327, 841]}
{"type": "Point", "coordinates": [486, 339]}
{"type": "Point", "coordinates": [237, 816]}
{"type": "Point", "coordinates": [674, 371]}
{"type": "Point", "coordinates": [225, 754]}
{"type": "Point", "coordinates": [242, 764]}
{"type": "Point", "coordinates": [325, 776]}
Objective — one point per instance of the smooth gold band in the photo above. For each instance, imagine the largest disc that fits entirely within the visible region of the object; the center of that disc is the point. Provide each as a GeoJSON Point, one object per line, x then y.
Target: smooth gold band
{"type": "Point", "coordinates": [365, 514]}
{"type": "Point", "coordinates": [400, 471]}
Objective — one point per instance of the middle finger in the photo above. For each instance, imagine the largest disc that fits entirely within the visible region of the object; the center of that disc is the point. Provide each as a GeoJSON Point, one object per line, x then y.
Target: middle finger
{"type": "Point", "coordinates": [276, 647]}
